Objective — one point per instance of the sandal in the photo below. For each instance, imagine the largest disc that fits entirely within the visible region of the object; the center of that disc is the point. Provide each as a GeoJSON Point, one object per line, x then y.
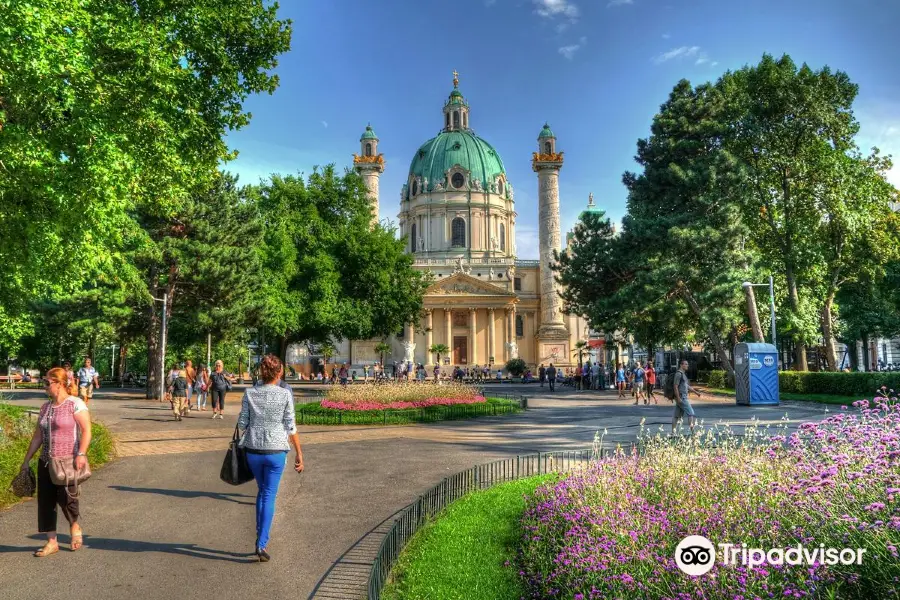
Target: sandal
{"type": "Point", "coordinates": [77, 540]}
{"type": "Point", "coordinates": [47, 550]}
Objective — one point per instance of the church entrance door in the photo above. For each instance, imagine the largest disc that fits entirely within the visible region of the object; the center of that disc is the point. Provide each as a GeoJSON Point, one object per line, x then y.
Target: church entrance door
{"type": "Point", "coordinates": [460, 349]}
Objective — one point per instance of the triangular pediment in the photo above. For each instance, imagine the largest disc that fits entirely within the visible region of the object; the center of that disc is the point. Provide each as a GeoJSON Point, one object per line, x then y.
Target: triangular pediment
{"type": "Point", "coordinates": [461, 284]}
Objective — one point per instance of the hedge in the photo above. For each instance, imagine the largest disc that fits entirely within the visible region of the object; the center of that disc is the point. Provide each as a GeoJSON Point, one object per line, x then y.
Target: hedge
{"type": "Point", "coordinates": [839, 384]}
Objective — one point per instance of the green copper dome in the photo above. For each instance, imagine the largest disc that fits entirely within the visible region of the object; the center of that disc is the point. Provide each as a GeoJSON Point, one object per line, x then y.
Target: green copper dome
{"type": "Point", "coordinates": [546, 132]}
{"type": "Point", "coordinates": [369, 134]}
{"type": "Point", "coordinates": [450, 148]}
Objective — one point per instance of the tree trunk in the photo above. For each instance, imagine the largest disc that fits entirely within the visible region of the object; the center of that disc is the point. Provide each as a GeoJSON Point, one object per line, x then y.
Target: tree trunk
{"type": "Point", "coordinates": [853, 353]}
{"type": "Point", "coordinates": [828, 333]}
{"type": "Point", "coordinates": [713, 335]}
{"type": "Point", "coordinates": [865, 351]}
{"type": "Point", "coordinates": [753, 315]}
{"type": "Point", "coordinates": [123, 355]}
{"type": "Point", "coordinates": [794, 298]}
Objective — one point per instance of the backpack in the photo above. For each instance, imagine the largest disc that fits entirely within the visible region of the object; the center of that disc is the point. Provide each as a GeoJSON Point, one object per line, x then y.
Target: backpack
{"type": "Point", "coordinates": [669, 387]}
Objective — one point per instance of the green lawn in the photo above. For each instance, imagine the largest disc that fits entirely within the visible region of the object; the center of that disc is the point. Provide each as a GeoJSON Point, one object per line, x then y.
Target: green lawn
{"type": "Point", "coordinates": [821, 398]}
{"type": "Point", "coordinates": [461, 554]}
{"type": "Point", "coordinates": [15, 434]}
{"type": "Point", "coordinates": [315, 414]}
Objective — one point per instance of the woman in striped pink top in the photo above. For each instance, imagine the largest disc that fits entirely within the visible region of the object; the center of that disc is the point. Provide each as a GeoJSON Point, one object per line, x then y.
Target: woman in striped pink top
{"type": "Point", "coordinates": [63, 431]}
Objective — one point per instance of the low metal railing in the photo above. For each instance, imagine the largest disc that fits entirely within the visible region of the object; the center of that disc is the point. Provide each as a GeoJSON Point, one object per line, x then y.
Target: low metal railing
{"type": "Point", "coordinates": [452, 488]}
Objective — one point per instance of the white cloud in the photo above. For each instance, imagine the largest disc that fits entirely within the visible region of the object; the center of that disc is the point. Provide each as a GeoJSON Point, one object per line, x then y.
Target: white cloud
{"type": "Point", "coordinates": [527, 242]}
{"type": "Point", "coordinates": [490, 2]}
{"type": "Point", "coordinates": [325, 124]}
{"type": "Point", "coordinates": [613, 3]}
{"type": "Point", "coordinates": [569, 51]}
{"type": "Point", "coordinates": [701, 60]}
{"type": "Point", "coordinates": [666, 36]}
{"type": "Point", "coordinates": [677, 53]}
{"type": "Point", "coordinates": [879, 126]}
{"type": "Point", "coordinates": [550, 9]}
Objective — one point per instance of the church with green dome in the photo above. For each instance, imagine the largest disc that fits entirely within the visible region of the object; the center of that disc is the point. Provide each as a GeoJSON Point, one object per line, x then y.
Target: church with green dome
{"type": "Point", "coordinates": [457, 214]}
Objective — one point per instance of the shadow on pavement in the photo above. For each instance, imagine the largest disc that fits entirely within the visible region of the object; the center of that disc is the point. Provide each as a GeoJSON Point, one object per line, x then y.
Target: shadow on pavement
{"type": "Point", "coordinates": [186, 494]}
{"type": "Point", "coordinates": [117, 545]}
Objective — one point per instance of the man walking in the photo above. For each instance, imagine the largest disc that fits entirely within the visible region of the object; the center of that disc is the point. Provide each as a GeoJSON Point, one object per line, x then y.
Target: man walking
{"type": "Point", "coordinates": [551, 377]}
{"type": "Point", "coordinates": [190, 375]}
{"type": "Point", "coordinates": [637, 381]}
{"type": "Point", "coordinates": [682, 404]}
{"type": "Point", "coordinates": [542, 374]}
{"type": "Point", "coordinates": [88, 379]}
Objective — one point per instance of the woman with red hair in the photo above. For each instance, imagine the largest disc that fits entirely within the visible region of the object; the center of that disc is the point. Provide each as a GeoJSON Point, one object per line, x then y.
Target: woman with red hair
{"type": "Point", "coordinates": [269, 430]}
{"type": "Point", "coordinates": [63, 431]}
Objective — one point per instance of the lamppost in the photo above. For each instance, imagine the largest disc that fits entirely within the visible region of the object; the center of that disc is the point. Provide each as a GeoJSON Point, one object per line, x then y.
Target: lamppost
{"type": "Point", "coordinates": [162, 347]}
{"type": "Point", "coordinates": [771, 286]}
{"type": "Point", "coordinates": [112, 368]}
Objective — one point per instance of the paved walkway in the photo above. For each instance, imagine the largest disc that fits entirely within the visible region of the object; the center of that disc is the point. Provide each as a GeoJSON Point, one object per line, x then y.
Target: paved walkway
{"type": "Point", "coordinates": [160, 524]}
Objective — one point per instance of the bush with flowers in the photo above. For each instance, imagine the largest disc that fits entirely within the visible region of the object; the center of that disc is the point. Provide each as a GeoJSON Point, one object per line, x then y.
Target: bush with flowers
{"type": "Point", "coordinates": [610, 530]}
{"type": "Point", "coordinates": [399, 395]}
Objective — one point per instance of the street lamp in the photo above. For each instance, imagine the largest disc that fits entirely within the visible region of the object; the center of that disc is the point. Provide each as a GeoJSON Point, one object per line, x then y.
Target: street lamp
{"type": "Point", "coordinates": [771, 286]}
{"type": "Point", "coordinates": [162, 347]}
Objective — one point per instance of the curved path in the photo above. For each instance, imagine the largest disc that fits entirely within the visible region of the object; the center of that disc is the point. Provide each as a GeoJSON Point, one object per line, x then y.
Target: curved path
{"type": "Point", "coordinates": [160, 524]}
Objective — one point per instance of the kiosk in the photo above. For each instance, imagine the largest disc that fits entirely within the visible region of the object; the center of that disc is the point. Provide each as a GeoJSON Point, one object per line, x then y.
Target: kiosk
{"type": "Point", "coordinates": [756, 374]}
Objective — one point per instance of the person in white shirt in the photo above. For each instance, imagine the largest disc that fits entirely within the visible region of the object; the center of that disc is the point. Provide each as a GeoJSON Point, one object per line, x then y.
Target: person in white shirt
{"type": "Point", "coordinates": [88, 379]}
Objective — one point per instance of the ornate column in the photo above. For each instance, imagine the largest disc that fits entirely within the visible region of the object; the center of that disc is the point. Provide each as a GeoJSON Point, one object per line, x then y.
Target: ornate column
{"type": "Point", "coordinates": [370, 165]}
{"type": "Point", "coordinates": [429, 338]}
{"type": "Point", "coordinates": [546, 163]}
{"type": "Point", "coordinates": [491, 344]}
{"type": "Point", "coordinates": [410, 345]}
{"type": "Point", "coordinates": [473, 331]}
{"type": "Point", "coordinates": [448, 321]}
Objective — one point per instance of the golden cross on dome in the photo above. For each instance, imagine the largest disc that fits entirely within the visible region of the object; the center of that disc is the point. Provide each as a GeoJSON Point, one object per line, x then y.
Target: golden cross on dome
{"type": "Point", "coordinates": [455, 78]}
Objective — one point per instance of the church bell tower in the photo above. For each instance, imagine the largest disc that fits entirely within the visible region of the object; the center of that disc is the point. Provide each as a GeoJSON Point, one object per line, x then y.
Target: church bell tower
{"type": "Point", "coordinates": [370, 165]}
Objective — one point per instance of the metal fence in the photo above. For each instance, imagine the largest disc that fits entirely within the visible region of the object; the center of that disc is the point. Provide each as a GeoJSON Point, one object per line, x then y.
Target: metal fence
{"type": "Point", "coordinates": [481, 477]}
{"type": "Point", "coordinates": [310, 414]}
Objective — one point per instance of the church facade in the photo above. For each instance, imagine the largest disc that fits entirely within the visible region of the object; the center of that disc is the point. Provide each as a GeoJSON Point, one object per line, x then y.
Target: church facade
{"type": "Point", "coordinates": [457, 213]}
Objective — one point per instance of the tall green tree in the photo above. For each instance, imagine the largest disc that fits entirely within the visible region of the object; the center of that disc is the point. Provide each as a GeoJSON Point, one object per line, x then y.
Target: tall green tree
{"type": "Point", "coordinates": [809, 194]}
{"type": "Point", "coordinates": [111, 107]}
{"type": "Point", "coordinates": [205, 260]}
{"type": "Point", "coordinates": [329, 273]}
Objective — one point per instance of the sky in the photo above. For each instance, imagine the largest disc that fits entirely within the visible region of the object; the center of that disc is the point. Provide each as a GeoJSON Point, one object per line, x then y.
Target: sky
{"type": "Point", "coordinates": [595, 70]}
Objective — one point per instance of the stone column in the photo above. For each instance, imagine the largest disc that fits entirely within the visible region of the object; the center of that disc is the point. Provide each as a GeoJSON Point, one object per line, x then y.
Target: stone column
{"type": "Point", "coordinates": [547, 167]}
{"type": "Point", "coordinates": [448, 320]}
{"type": "Point", "coordinates": [491, 344]}
{"type": "Point", "coordinates": [507, 337]}
{"type": "Point", "coordinates": [429, 338]}
{"type": "Point", "coordinates": [371, 174]}
{"type": "Point", "coordinates": [410, 345]}
{"type": "Point", "coordinates": [473, 331]}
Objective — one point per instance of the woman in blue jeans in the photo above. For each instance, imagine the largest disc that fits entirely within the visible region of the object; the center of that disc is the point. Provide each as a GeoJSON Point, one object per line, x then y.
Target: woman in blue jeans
{"type": "Point", "coordinates": [269, 430]}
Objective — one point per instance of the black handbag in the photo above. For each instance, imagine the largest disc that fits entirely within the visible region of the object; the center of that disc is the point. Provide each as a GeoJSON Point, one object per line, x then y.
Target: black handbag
{"type": "Point", "coordinates": [23, 484]}
{"type": "Point", "coordinates": [235, 469]}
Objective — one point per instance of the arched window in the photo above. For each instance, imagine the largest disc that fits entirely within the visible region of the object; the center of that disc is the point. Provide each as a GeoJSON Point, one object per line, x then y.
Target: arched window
{"type": "Point", "coordinates": [368, 149]}
{"type": "Point", "coordinates": [412, 238]}
{"type": "Point", "coordinates": [458, 232]}
{"type": "Point", "coordinates": [465, 120]}
{"type": "Point", "coordinates": [456, 119]}
{"type": "Point", "coordinates": [520, 326]}
{"type": "Point", "coordinates": [415, 188]}
{"type": "Point", "coordinates": [502, 237]}
{"type": "Point", "coordinates": [500, 187]}
{"type": "Point", "coordinates": [548, 148]}
{"type": "Point", "coordinates": [447, 120]}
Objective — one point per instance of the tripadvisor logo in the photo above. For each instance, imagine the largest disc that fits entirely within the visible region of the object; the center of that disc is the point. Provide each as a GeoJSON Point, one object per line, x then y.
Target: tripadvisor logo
{"type": "Point", "coordinates": [695, 555]}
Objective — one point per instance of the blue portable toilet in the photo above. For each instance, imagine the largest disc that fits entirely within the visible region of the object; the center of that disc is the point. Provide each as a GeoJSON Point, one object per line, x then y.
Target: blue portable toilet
{"type": "Point", "coordinates": [756, 374]}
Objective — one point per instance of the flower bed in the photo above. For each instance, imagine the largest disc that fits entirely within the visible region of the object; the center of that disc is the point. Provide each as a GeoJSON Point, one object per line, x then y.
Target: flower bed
{"type": "Point", "coordinates": [399, 396]}
{"type": "Point", "coordinates": [610, 530]}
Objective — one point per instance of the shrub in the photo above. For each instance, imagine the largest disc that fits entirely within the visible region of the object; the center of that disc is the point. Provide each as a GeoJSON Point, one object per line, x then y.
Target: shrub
{"type": "Point", "coordinates": [842, 384]}
{"type": "Point", "coordinates": [516, 367]}
{"type": "Point", "coordinates": [610, 530]}
{"type": "Point", "coordinates": [717, 379]}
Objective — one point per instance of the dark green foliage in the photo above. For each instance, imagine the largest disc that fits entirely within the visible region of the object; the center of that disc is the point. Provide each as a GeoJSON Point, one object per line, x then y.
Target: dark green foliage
{"type": "Point", "coordinates": [328, 273]}
{"type": "Point", "coordinates": [845, 384]}
{"type": "Point", "coordinates": [516, 367]}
